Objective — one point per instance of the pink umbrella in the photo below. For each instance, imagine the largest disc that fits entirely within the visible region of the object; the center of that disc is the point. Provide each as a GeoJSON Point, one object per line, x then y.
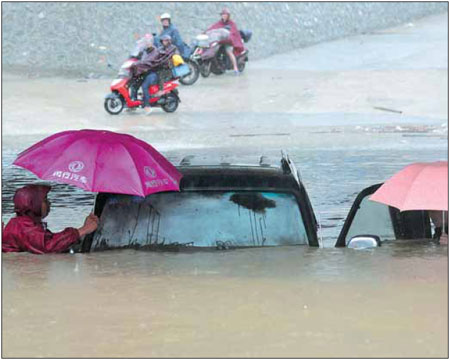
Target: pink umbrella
{"type": "Point", "coordinates": [101, 161]}
{"type": "Point", "coordinates": [419, 186]}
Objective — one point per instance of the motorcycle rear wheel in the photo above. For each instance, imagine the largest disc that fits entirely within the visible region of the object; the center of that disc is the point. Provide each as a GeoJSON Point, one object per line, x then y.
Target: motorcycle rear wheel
{"type": "Point", "coordinates": [171, 103]}
{"type": "Point", "coordinates": [216, 69]}
{"type": "Point", "coordinates": [192, 77]}
{"type": "Point", "coordinates": [219, 63]}
{"type": "Point", "coordinates": [114, 105]}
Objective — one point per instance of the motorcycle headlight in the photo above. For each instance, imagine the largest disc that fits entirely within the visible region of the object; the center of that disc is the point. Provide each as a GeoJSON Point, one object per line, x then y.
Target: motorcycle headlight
{"type": "Point", "coordinates": [202, 37]}
{"type": "Point", "coordinates": [115, 82]}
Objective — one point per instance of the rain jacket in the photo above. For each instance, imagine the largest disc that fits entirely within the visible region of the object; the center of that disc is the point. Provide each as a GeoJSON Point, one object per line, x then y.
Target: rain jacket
{"type": "Point", "coordinates": [176, 40]}
{"type": "Point", "coordinates": [27, 232]}
{"type": "Point", "coordinates": [153, 59]}
{"type": "Point", "coordinates": [235, 36]}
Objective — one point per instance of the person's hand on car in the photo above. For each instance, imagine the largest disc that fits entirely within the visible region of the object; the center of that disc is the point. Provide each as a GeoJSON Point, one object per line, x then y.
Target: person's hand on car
{"type": "Point", "coordinates": [90, 217]}
{"type": "Point", "coordinates": [89, 226]}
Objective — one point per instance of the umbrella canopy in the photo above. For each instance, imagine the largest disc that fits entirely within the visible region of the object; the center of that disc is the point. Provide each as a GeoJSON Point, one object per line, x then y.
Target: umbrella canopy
{"type": "Point", "coordinates": [419, 186]}
{"type": "Point", "coordinates": [101, 161]}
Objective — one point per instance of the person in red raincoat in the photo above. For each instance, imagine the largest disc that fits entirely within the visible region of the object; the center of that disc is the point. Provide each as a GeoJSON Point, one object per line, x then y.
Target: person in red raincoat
{"type": "Point", "coordinates": [237, 46]}
{"type": "Point", "coordinates": [27, 232]}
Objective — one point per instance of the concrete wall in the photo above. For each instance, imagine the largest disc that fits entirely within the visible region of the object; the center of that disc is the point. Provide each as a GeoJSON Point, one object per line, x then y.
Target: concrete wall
{"type": "Point", "coordinates": [80, 38]}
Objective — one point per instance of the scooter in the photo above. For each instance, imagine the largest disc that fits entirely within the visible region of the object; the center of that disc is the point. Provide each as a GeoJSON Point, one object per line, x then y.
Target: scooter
{"type": "Point", "coordinates": [209, 52]}
{"type": "Point", "coordinates": [122, 91]}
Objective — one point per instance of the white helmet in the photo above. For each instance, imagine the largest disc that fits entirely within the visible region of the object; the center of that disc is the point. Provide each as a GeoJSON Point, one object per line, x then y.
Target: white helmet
{"type": "Point", "coordinates": [165, 16]}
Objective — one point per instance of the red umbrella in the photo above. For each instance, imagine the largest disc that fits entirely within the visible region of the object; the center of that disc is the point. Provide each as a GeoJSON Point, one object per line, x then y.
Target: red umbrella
{"type": "Point", "coordinates": [101, 161]}
{"type": "Point", "coordinates": [419, 186]}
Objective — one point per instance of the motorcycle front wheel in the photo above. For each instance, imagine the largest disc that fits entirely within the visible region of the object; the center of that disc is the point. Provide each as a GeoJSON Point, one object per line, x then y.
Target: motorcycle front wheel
{"type": "Point", "coordinates": [192, 77]}
{"type": "Point", "coordinates": [241, 66]}
{"type": "Point", "coordinates": [114, 105]}
{"type": "Point", "coordinates": [205, 69]}
{"type": "Point", "coordinates": [171, 103]}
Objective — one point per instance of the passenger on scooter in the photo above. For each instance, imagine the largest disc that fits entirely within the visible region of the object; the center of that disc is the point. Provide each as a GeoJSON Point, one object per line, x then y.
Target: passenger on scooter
{"type": "Point", "coordinates": [237, 46]}
{"type": "Point", "coordinates": [171, 30]}
{"type": "Point", "coordinates": [164, 70]}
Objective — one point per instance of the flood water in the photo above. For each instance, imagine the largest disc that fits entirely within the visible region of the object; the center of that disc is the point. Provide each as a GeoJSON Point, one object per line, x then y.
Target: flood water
{"type": "Point", "coordinates": [283, 302]}
{"type": "Point", "coordinates": [264, 302]}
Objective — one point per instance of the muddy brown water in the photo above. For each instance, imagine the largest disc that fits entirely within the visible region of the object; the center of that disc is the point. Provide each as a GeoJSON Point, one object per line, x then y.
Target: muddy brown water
{"type": "Point", "coordinates": [283, 302]}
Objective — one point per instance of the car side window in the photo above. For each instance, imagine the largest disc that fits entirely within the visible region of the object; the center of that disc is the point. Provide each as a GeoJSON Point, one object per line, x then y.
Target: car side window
{"type": "Point", "coordinates": [372, 218]}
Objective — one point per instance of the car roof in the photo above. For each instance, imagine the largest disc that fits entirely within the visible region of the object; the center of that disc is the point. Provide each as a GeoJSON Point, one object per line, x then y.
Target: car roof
{"type": "Point", "coordinates": [265, 173]}
{"type": "Point", "coordinates": [207, 160]}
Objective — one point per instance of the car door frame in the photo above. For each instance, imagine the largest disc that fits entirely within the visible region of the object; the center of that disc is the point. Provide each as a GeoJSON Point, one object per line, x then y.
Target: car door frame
{"type": "Point", "coordinates": [399, 219]}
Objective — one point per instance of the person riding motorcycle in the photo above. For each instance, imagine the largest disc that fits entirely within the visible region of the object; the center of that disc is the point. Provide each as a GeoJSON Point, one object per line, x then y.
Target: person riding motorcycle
{"type": "Point", "coordinates": [164, 70]}
{"type": "Point", "coordinates": [237, 46]}
{"type": "Point", "coordinates": [171, 30]}
{"type": "Point", "coordinates": [156, 64]}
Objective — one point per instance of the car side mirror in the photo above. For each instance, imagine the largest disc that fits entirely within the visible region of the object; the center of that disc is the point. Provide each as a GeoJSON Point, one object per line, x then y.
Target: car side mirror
{"type": "Point", "coordinates": [364, 242]}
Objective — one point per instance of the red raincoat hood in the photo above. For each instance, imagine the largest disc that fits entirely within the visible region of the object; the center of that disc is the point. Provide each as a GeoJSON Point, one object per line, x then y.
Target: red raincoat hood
{"type": "Point", "coordinates": [28, 201]}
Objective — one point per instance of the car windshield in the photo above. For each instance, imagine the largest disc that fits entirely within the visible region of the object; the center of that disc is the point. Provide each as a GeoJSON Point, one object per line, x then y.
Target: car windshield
{"type": "Point", "coordinates": [200, 219]}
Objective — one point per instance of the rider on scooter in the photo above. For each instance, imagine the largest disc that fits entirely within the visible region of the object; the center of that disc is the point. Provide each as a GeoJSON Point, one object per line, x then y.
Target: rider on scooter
{"type": "Point", "coordinates": [237, 45]}
{"type": "Point", "coordinates": [144, 46]}
{"type": "Point", "coordinates": [171, 30]}
{"type": "Point", "coordinates": [156, 64]}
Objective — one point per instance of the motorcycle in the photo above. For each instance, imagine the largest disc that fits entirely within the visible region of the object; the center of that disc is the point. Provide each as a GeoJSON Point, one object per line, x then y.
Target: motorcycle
{"type": "Point", "coordinates": [124, 85]}
{"type": "Point", "coordinates": [210, 55]}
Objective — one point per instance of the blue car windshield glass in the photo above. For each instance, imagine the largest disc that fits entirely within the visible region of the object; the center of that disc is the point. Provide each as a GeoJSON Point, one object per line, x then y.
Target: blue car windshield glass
{"type": "Point", "coordinates": [203, 219]}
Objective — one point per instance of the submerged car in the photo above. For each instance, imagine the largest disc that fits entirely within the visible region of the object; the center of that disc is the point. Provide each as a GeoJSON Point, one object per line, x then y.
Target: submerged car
{"type": "Point", "coordinates": [226, 206]}
{"type": "Point", "coordinates": [370, 223]}
{"type": "Point", "coordinates": [220, 206]}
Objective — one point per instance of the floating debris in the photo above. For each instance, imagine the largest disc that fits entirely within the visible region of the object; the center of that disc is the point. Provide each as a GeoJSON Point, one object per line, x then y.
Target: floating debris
{"type": "Point", "coordinates": [387, 109]}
